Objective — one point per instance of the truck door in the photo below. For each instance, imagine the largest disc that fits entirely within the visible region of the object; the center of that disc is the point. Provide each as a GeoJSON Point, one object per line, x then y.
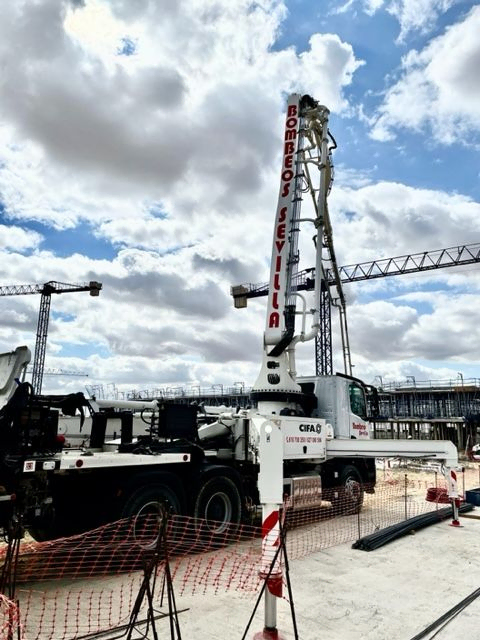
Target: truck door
{"type": "Point", "coordinates": [358, 411]}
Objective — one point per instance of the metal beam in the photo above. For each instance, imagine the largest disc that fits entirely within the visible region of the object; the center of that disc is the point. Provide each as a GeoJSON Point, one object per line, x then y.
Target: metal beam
{"type": "Point", "coordinates": [305, 281]}
{"type": "Point", "coordinates": [411, 263]}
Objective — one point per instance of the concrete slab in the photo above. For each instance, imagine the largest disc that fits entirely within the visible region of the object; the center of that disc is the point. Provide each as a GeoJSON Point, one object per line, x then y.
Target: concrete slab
{"type": "Point", "coordinates": [346, 594]}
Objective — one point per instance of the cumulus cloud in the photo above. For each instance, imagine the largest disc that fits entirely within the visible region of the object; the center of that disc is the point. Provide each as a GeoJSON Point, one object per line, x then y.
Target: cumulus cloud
{"type": "Point", "coordinates": [450, 331]}
{"type": "Point", "coordinates": [379, 330]}
{"type": "Point", "coordinates": [18, 239]}
{"type": "Point", "coordinates": [190, 121]}
{"type": "Point", "coordinates": [418, 16]}
{"type": "Point", "coordinates": [395, 331]}
{"type": "Point", "coordinates": [389, 219]}
{"type": "Point", "coordinates": [170, 291]}
{"type": "Point", "coordinates": [438, 89]}
{"type": "Point", "coordinates": [437, 321]}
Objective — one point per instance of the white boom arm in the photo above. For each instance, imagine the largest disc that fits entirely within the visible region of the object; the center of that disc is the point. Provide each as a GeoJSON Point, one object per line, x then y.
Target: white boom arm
{"type": "Point", "coordinates": [281, 436]}
{"type": "Point", "coordinates": [132, 405]}
{"type": "Point", "coordinates": [306, 167]}
{"type": "Point", "coordinates": [442, 450]}
{"type": "Point", "coordinates": [276, 389]}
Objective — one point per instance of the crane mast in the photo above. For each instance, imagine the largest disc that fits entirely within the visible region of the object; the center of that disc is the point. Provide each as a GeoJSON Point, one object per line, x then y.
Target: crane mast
{"type": "Point", "coordinates": [46, 290]}
{"type": "Point", "coordinates": [306, 168]}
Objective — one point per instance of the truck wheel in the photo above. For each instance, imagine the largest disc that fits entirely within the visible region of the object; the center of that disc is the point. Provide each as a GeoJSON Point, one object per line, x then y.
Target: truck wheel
{"type": "Point", "coordinates": [47, 529]}
{"type": "Point", "coordinates": [350, 491]}
{"type": "Point", "coordinates": [218, 506]}
{"type": "Point", "coordinates": [147, 507]}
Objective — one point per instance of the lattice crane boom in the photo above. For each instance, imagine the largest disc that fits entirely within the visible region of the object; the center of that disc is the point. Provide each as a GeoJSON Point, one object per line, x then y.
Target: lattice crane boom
{"type": "Point", "coordinates": [46, 290]}
{"type": "Point", "coordinates": [47, 371]}
{"type": "Point", "coordinates": [50, 287]}
{"type": "Point", "coordinates": [409, 263]}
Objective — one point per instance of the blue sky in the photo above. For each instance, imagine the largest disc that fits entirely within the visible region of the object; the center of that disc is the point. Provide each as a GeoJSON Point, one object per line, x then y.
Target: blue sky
{"type": "Point", "coordinates": [140, 146]}
{"type": "Point", "coordinates": [415, 159]}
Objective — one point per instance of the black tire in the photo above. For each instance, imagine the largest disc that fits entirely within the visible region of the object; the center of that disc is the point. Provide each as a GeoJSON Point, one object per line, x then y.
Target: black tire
{"type": "Point", "coordinates": [218, 506]}
{"type": "Point", "coordinates": [350, 492]}
{"type": "Point", "coordinates": [148, 506]}
{"type": "Point", "coordinates": [47, 529]}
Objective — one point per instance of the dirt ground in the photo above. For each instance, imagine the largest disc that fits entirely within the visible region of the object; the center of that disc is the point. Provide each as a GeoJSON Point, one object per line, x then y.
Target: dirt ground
{"type": "Point", "coordinates": [338, 592]}
{"type": "Point", "coordinates": [427, 475]}
{"type": "Point", "coordinates": [392, 593]}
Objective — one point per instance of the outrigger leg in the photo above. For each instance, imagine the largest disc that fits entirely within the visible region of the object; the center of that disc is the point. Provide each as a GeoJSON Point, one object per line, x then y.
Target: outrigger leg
{"type": "Point", "coordinates": [452, 485]}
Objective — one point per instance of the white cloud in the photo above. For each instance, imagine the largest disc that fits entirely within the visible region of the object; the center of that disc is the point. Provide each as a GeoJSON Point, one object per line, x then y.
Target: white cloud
{"type": "Point", "coordinates": [328, 57]}
{"type": "Point", "coordinates": [389, 219]}
{"type": "Point", "coordinates": [194, 111]}
{"type": "Point", "coordinates": [373, 5]}
{"type": "Point", "coordinates": [94, 28]}
{"type": "Point", "coordinates": [18, 239]}
{"type": "Point", "coordinates": [417, 15]}
{"type": "Point", "coordinates": [413, 15]}
{"type": "Point", "coordinates": [395, 332]}
{"type": "Point", "coordinates": [438, 89]}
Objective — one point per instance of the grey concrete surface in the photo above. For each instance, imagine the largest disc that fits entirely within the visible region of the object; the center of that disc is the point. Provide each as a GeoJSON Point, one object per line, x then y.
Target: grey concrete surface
{"type": "Point", "coordinates": [345, 594]}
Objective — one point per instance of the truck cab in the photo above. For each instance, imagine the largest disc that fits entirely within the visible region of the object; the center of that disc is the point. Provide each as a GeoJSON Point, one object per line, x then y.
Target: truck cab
{"type": "Point", "coordinates": [342, 401]}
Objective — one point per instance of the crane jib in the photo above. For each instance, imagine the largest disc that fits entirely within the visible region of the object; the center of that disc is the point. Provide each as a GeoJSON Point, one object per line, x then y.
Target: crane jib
{"type": "Point", "coordinates": [276, 325]}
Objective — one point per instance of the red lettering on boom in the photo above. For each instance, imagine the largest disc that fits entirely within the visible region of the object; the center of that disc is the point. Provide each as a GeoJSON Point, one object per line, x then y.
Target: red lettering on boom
{"type": "Point", "coordinates": [288, 173]}
{"type": "Point", "coordinates": [274, 321]}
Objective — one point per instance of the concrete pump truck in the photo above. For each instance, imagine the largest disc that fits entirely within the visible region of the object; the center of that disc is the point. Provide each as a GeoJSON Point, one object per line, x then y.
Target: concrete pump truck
{"type": "Point", "coordinates": [304, 441]}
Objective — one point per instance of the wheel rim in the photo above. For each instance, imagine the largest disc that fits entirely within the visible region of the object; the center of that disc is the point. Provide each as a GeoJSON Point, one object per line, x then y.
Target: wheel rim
{"type": "Point", "coordinates": [218, 512]}
{"type": "Point", "coordinates": [147, 522]}
{"type": "Point", "coordinates": [353, 490]}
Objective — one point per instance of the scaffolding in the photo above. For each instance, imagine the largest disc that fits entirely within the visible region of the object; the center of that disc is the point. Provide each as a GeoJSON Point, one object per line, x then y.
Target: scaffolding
{"type": "Point", "coordinates": [433, 409]}
{"type": "Point", "coordinates": [430, 399]}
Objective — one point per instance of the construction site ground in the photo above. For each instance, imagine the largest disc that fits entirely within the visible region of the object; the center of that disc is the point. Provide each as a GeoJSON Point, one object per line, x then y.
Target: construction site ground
{"type": "Point", "coordinates": [341, 593]}
{"type": "Point", "coordinates": [344, 594]}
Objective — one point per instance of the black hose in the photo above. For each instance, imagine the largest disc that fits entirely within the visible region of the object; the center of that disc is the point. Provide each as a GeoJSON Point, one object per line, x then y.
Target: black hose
{"type": "Point", "coordinates": [447, 617]}
{"type": "Point", "coordinates": [380, 538]}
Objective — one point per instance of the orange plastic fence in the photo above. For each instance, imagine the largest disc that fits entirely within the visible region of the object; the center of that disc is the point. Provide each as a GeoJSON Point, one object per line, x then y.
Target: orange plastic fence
{"type": "Point", "coordinates": [86, 584]}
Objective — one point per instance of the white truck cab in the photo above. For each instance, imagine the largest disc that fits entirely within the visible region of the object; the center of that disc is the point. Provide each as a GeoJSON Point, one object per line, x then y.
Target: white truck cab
{"type": "Point", "coordinates": [342, 402]}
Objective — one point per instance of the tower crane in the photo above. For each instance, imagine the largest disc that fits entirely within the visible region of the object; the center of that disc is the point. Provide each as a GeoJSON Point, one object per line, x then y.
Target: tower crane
{"type": "Point", "coordinates": [46, 290]}
{"type": "Point", "coordinates": [305, 281]}
{"type": "Point", "coordinates": [60, 372]}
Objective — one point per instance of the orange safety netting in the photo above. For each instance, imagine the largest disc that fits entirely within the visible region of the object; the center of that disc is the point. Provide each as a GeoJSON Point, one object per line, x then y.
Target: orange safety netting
{"type": "Point", "coordinates": [86, 584]}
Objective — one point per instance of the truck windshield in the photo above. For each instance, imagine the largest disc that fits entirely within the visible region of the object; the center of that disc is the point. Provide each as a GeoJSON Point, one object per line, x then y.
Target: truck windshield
{"type": "Point", "coordinates": [357, 401]}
